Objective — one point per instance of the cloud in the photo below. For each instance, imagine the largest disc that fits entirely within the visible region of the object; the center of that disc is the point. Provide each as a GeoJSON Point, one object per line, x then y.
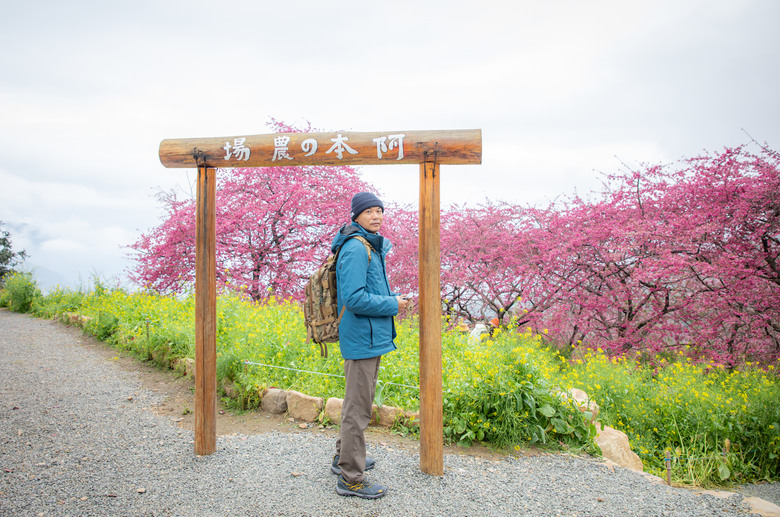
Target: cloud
{"type": "Point", "coordinates": [61, 246]}
{"type": "Point", "coordinates": [562, 91]}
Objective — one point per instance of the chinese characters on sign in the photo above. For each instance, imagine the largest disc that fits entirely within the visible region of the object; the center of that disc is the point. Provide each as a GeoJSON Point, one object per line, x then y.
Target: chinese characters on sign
{"type": "Point", "coordinates": [384, 145]}
{"type": "Point", "coordinates": [340, 146]}
{"type": "Point", "coordinates": [280, 148]}
{"type": "Point", "coordinates": [395, 141]}
{"type": "Point", "coordinates": [239, 151]}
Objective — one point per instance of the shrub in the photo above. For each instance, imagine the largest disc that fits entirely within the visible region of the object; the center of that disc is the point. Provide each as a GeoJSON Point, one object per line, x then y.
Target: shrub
{"type": "Point", "coordinates": [721, 426]}
{"type": "Point", "coordinates": [499, 391]}
{"type": "Point", "coordinates": [57, 302]}
{"type": "Point", "coordinates": [20, 292]}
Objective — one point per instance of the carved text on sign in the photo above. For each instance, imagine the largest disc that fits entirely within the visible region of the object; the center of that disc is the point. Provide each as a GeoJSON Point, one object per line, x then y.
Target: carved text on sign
{"type": "Point", "coordinates": [326, 148]}
{"type": "Point", "coordinates": [237, 150]}
{"type": "Point", "coordinates": [310, 146]}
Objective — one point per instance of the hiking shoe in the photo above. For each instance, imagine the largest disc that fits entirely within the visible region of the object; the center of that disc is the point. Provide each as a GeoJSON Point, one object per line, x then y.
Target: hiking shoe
{"type": "Point", "coordinates": [334, 467]}
{"type": "Point", "coordinates": [363, 489]}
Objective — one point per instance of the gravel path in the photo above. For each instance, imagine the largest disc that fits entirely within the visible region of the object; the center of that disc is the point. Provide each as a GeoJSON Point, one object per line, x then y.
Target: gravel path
{"type": "Point", "coordinates": [71, 443]}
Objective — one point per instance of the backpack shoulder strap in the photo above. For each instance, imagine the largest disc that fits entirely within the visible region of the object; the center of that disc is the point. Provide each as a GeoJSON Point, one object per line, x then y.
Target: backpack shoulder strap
{"type": "Point", "coordinates": [366, 244]}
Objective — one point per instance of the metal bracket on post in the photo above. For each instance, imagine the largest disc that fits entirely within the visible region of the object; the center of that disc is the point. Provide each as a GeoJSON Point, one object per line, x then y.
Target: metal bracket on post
{"type": "Point", "coordinates": [427, 153]}
{"type": "Point", "coordinates": [199, 157]}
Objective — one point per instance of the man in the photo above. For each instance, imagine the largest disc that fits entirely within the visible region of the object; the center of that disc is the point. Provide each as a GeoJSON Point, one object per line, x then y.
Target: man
{"type": "Point", "coordinates": [366, 332]}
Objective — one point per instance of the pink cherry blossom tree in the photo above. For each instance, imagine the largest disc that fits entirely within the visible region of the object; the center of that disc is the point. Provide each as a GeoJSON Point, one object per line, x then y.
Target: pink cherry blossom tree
{"type": "Point", "coordinates": [486, 263]}
{"type": "Point", "coordinates": [676, 257]}
{"type": "Point", "coordinates": [671, 258]}
{"type": "Point", "coordinates": [274, 227]}
{"type": "Point", "coordinates": [666, 258]}
{"type": "Point", "coordinates": [401, 227]}
{"type": "Point", "coordinates": [729, 235]}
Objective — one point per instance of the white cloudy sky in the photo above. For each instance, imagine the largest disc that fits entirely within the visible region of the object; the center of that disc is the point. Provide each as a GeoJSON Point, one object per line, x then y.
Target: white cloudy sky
{"type": "Point", "coordinates": [561, 90]}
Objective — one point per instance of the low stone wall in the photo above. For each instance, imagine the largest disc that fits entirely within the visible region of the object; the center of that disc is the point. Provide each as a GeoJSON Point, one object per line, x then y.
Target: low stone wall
{"type": "Point", "coordinates": [313, 409]}
{"type": "Point", "coordinates": [74, 318]}
{"type": "Point", "coordinates": [613, 443]}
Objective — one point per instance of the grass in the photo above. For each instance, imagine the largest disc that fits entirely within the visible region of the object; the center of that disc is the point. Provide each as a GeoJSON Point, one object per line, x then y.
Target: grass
{"type": "Point", "coordinates": [719, 426]}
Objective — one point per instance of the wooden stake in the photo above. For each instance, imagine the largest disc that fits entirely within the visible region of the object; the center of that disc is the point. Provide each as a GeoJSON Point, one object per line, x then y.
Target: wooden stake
{"type": "Point", "coordinates": [431, 420]}
{"type": "Point", "coordinates": [668, 461]}
{"type": "Point", "coordinates": [206, 315]}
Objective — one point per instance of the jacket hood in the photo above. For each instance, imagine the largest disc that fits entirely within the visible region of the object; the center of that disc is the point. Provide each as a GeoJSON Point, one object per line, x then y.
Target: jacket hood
{"type": "Point", "coordinates": [378, 242]}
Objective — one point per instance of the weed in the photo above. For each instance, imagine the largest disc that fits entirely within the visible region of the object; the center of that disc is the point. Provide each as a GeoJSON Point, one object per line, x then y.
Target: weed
{"type": "Point", "coordinates": [19, 292]}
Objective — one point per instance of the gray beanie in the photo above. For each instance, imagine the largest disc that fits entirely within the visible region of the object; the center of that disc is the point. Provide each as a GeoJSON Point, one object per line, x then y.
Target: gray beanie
{"type": "Point", "coordinates": [364, 200]}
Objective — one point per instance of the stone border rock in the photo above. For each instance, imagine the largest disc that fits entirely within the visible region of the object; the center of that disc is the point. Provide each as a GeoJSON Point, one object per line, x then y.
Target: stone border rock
{"type": "Point", "coordinates": [614, 444]}
{"type": "Point", "coordinates": [760, 506]}
{"type": "Point", "coordinates": [307, 408]}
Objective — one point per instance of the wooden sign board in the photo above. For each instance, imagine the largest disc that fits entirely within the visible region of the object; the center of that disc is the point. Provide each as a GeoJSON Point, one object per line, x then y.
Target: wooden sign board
{"type": "Point", "coordinates": [338, 148]}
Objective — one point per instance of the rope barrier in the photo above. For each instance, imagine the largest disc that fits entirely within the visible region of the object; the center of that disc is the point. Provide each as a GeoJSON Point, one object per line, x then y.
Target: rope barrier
{"type": "Point", "coordinates": [323, 373]}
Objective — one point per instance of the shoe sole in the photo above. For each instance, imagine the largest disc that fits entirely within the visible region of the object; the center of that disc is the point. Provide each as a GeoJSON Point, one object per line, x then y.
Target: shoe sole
{"type": "Point", "coordinates": [341, 491]}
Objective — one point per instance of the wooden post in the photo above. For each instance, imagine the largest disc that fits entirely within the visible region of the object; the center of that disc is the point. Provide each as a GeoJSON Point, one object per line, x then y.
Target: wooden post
{"type": "Point", "coordinates": [205, 314]}
{"type": "Point", "coordinates": [431, 419]}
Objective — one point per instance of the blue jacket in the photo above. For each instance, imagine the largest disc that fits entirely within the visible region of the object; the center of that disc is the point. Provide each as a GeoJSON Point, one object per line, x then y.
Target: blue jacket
{"type": "Point", "coordinates": [366, 328]}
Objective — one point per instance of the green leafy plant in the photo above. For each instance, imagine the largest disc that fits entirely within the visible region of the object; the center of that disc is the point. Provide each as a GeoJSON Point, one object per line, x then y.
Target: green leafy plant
{"type": "Point", "coordinates": [720, 424]}
{"type": "Point", "coordinates": [19, 292]}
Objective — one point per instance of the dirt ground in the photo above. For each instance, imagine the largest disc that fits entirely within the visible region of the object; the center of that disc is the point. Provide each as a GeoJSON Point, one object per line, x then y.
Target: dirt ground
{"type": "Point", "coordinates": [178, 395]}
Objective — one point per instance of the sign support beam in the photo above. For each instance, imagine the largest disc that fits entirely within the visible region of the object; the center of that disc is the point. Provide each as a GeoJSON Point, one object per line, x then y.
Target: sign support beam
{"type": "Point", "coordinates": [431, 416]}
{"type": "Point", "coordinates": [206, 314]}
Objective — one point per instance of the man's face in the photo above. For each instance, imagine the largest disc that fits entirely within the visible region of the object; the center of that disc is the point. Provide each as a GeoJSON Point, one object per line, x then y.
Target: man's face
{"type": "Point", "coordinates": [371, 219]}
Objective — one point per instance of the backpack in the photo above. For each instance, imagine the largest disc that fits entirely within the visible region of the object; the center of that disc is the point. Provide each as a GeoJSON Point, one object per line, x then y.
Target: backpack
{"type": "Point", "coordinates": [321, 304]}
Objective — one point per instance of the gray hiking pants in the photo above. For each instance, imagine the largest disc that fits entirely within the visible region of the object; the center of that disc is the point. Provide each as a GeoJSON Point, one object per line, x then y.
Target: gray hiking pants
{"type": "Point", "coordinates": [356, 411]}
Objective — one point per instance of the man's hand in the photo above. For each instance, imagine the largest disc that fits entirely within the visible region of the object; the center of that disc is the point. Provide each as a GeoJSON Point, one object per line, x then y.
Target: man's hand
{"type": "Point", "coordinates": [402, 303]}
